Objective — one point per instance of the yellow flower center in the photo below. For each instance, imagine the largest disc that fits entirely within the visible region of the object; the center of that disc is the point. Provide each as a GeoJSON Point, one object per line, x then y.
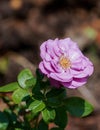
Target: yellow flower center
{"type": "Point", "coordinates": [64, 62]}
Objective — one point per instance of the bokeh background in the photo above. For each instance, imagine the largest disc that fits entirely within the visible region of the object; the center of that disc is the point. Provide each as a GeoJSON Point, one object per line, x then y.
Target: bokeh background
{"type": "Point", "coordinates": [25, 24]}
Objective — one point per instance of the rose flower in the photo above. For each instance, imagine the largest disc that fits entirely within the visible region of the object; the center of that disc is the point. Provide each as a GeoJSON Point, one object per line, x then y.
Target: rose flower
{"type": "Point", "coordinates": [64, 64]}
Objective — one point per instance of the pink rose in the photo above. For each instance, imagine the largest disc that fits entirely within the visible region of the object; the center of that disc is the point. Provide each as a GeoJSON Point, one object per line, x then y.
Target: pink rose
{"type": "Point", "coordinates": [64, 64]}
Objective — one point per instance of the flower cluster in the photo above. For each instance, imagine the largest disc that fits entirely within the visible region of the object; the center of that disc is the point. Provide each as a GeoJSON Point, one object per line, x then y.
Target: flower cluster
{"type": "Point", "coordinates": [64, 63]}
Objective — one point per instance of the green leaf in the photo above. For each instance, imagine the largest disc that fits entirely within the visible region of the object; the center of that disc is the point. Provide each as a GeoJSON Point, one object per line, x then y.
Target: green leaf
{"type": "Point", "coordinates": [3, 121]}
{"type": "Point", "coordinates": [26, 79]}
{"type": "Point", "coordinates": [42, 125]}
{"type": "Point", "coordinates": [40, 76]}
{"type": "Point", "coordinates": [37, 106]}
{"type": "Point", "coordinates": [9, 87]}
{"type": "Point", "coordinates": [53, 102]}
{"type": "Point", "coordinates": [19, 95]}
{"type": "Point", "coordinates": [56, 93]}
{"type": "Point", "coordinates": [61, 117]}
{"type": "Point", "coordinates": [77, 106]}
{"type": "Point", "coordinates": [11, 116]}
{"type": "Point", "coordinates": [48, 115]}
{"type": "Point", "coordinates": [55, 97]}
{"type": "Point", "coordinates": [18, 129]}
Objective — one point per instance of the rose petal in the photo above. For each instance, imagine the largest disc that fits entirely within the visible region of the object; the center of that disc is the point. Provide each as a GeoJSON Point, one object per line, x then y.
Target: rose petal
{"type": "Point", "coordinates": [79, 73]}
{"type": "Point", "coordinates": [79, 82]}
{"type": "Point", "coordinates": [43, 50]}
{"type": "Point", "coordinates": [56, 66]}
{"type": "Point", "coordinates": [48, 66]}
{"type": "Point", "coordinates": [55, 83]}
{"type": "Point", "coordinates": [74, 55]}
{"type": "Point", "coordinates": [49, 46]}
{"type": "Point", "coordinates": [43, 69]}
{"type": "Point", "coordinates": [63, 77]}
{"type": "Point", "coordinates": [89, 70]}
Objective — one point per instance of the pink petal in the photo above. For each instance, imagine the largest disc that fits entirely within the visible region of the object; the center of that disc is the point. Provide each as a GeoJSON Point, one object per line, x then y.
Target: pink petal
{"type": "Point", "coordinates": [55, 83]}
{"type": "Point", "coordinates": [79, 82]}
{"type": "Point", "coordinates": [74, 55]}
{"type": "Point", "coordinates": [63, 77]}
{"type": "Point", "coordinates": [43, 50]}
{"type": "Point", "coordinates": [78, 73]}
{"type": "Point", "coordinates": [56, 66]}
{"type": "Point", "coordinates": [77, 65]}
{"type": "Point", "coordinates": [48, 66]}
{"type": "Point", "coordinates": [89, 70]}
{"type": "Point", "coordinates": [50, 45]}
{"type": "Point", "coordinates": [66, 84]}
{"type": "Point", "coordinates": [42, 68]}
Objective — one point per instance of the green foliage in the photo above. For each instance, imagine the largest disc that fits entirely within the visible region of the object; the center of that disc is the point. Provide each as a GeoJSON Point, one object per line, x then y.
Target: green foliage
{"type": "Point", "coordinates": [55, 97]}
{"type": "Point", "coordinates": [9, 87]}
{"type": "Point", "coordinates": [26, 79]}
{"type": "Point", "coordinates": [48, 115]}
{"type": "Point", "coordinates": [78, 107]}
{"type": "Point", "coordinates": [19, 95]}
{"type": "Point", "coordinates": [3, 121]}
{"type": "Point", "coordinates": [42, 125]}
{"type": "Point", "coordinates": [61, 117]}
{"type": "Point", "coordinates": [12, 117]}
{"type": "Point", "coordinates": [36, 104]}
{"type": "Point", "coordinates": [40, 76]}
{"type": "Point", "coordinates": [39, 85]}
{"type": "Point", "coordinates": [56, 93]}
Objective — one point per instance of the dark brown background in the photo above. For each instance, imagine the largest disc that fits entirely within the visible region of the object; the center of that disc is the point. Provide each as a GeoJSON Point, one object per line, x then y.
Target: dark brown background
{"type": "Point", "coordinates": [25, 24]}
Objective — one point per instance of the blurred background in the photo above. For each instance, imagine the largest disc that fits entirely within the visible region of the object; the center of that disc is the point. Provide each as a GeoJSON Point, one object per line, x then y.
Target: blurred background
{"type": "Point", "coordinates": [25, 24]}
